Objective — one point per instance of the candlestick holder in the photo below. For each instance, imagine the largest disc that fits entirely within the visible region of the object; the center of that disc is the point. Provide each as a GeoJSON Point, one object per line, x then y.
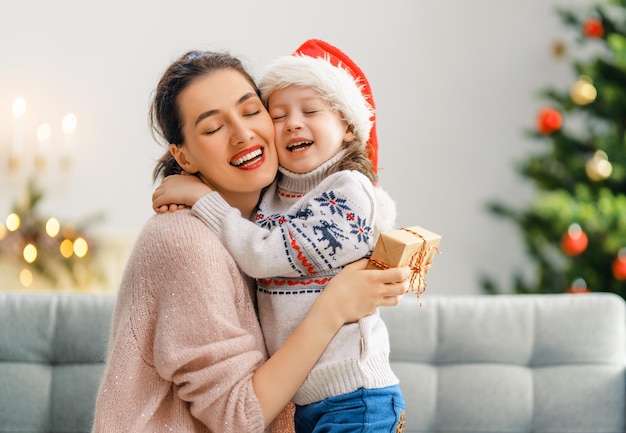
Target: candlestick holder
{"type": "Point", "coordinates": [40, 163]}
{"type": "Point", "coordinates": [14, 164]}
{"type": "Point", "coordinates": [65, 163]}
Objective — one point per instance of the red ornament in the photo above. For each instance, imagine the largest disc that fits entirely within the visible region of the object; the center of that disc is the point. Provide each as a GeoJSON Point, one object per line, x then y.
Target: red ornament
{"type": "Point", "coordinates": [593, 28]}
{"type": "Point", "coordinates": [619, 265]}
{"type": "Point", "coordinates": [574, 241]}
{"type": "Point", "coordinates": [548, 121]}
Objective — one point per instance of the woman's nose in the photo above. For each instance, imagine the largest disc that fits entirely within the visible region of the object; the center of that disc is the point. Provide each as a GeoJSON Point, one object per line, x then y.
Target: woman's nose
{"type": "Point", "coordinates": [240, 132]}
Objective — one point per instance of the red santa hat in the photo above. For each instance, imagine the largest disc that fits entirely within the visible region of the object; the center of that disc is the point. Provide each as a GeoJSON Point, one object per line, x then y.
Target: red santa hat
{"type": "Point", "coordinates": [340, 82]}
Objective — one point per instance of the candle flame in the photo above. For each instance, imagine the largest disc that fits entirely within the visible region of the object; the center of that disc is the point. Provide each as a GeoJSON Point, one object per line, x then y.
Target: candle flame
{"type": "Point", "coordinates": [69, 123]}
{"type": "Point", "coordinates": [19, 107]}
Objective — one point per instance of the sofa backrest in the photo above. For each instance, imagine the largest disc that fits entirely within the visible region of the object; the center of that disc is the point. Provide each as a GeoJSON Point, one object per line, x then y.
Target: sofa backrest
{"type": "Point", "coordinates": [52, 350]}
{"type": "Point", "coordinates": [507, 363]}
{"type": "Point", "coordinates": [511, 363]}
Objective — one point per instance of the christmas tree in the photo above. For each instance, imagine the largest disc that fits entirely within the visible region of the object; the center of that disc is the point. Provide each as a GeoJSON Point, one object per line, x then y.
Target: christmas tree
{"type": "Point", "coordinates": [574, 228]}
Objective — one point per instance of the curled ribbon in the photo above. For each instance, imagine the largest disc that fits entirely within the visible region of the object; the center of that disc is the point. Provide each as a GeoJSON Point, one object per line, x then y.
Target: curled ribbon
{"type": "Point", "coordinates": [416, 264]}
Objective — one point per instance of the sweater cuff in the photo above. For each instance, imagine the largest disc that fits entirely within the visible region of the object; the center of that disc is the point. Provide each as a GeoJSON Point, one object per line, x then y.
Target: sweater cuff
{"type": "Point", "coordinates": [212, 209]}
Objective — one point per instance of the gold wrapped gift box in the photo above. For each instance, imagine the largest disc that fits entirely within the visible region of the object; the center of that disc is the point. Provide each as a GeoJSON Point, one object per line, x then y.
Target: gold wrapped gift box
{"type": "Point", "coordinates": [412, 246]}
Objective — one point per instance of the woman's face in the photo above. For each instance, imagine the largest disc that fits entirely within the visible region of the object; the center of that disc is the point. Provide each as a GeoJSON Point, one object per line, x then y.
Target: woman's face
{"type": "Point", "coordinates": [229, 136]}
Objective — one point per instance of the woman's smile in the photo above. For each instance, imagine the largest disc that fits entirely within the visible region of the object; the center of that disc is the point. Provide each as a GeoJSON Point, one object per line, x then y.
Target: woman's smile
{"type": "Point", "coordinates": [249, 158]}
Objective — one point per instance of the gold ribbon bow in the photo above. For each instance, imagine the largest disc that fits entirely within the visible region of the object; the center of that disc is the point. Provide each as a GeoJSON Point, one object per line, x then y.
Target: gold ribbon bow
{"type": "Point", "coordinates": [416, 264]}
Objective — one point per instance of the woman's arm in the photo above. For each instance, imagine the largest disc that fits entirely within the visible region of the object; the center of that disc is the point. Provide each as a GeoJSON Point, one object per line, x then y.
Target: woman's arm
{"type": "Point", "coordinates": [354, 293]}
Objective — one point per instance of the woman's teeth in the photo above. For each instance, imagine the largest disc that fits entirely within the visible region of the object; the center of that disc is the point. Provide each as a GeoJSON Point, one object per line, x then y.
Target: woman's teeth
{"type": "Point", "coordinates": [247, 158]}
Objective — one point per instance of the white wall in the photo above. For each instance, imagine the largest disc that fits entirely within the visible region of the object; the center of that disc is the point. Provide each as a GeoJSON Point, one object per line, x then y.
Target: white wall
{"type": "Point", "coordinates": [455, 84]}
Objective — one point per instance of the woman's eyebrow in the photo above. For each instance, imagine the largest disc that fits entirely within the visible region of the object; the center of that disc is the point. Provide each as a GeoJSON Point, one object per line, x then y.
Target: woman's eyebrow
{"type": "Point", "coordinates": [204, 115]}
{"type": "Point", "coordinates": [245, 97]}
{"type": "Point", "coordinates": [209, 113]}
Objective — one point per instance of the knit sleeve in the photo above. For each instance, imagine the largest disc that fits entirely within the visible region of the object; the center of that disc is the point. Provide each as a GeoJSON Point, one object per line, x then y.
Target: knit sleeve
{"type": "Point", "coordinates": [203, 338]}
{"type": "Point", "coordinates": [329, 228]}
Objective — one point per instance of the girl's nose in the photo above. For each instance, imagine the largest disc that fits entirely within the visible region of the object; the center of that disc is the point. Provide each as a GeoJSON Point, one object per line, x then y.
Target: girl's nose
{"type": "Point", "coordinates": [293, 123]}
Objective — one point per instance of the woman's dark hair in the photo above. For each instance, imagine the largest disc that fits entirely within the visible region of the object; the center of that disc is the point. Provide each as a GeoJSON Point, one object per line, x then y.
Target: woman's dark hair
{"type": "Point", "coordinates": [165, 116]}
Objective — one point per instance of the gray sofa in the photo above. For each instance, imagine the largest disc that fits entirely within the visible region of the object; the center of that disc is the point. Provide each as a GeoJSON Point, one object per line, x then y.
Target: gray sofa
{"type": "Point", "coordinates": [470, 364]}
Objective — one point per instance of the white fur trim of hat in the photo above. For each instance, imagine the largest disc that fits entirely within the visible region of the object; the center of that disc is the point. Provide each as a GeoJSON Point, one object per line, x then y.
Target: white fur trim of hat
{"type": "Point", "coordinates": [335, 85]}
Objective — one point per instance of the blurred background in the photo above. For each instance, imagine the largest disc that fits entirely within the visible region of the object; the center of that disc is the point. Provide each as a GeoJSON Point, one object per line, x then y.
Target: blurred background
{"type": "Point", "coordinates": [455, 84]}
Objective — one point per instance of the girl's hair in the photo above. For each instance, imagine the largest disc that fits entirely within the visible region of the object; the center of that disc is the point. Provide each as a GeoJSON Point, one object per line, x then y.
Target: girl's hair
{"type": "Point", "coordinates": [357, 158]}
{"type": "Point", "coordinates": [165, 116]}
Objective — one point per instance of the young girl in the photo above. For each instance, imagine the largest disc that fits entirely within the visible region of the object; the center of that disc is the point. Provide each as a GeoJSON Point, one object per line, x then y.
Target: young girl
{"type": "Point", "coordinates": [318, 216]}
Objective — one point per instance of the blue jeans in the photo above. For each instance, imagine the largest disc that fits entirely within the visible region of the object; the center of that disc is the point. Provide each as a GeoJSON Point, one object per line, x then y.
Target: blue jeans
{"type": "Point", "coordinates": [378, 410]}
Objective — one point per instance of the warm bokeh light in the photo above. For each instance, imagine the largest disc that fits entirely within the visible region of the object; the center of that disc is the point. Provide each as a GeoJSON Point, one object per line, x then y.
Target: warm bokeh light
{"type": "Point", "coordinates": [3, 231]}
{"type": "Point", "coordinates": [26, 277]}
{"type": "Point", "coordinates": [30, 253]}
{"type": "Point", "coordinates": [66, 248]}
{"type": "Point", "coordinates": [12, 222]}
{"type": "Point", "coordinates": [53, 227]}
{"type": "Point", "coordinates": [80, 247]}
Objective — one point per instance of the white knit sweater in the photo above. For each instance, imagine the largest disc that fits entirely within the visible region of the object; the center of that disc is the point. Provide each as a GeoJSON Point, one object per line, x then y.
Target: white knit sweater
{"type": "Point", "coordinates": [308, 226]}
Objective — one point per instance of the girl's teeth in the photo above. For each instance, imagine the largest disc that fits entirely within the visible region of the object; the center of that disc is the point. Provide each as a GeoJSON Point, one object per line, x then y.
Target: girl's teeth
{"type": "Point", "coordinates": [302, 143]}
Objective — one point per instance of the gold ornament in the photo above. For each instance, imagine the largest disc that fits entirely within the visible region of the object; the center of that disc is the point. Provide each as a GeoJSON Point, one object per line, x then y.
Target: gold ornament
{"type": "Point", "coordinates": [558, 49]}
{"type": "Point", "coordinates": [583, 92]}
{"type": "Point", "coordinates": [599, 167]}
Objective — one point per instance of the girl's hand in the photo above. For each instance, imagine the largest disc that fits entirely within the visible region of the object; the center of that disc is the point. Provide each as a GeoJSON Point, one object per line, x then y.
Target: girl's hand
{"type": "Point", "coordinates": [177, 192]}
{"type": "Point", "coordinates": [356, 291]}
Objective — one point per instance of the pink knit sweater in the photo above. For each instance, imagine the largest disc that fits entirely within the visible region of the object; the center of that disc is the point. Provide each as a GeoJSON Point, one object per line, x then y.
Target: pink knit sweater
{"type": "Point", "coordinates": [185, 339]}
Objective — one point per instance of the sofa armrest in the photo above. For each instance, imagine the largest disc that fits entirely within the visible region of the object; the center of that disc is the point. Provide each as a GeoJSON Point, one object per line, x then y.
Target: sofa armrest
{"type": "Point", "coordinates": [52, 353]}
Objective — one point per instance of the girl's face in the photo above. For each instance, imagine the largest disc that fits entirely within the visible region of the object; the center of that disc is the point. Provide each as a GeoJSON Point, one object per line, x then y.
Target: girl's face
{"type": "Point", "coordinates": [308, 132]}
{"type": "Point", "coordinates": [229, 136]}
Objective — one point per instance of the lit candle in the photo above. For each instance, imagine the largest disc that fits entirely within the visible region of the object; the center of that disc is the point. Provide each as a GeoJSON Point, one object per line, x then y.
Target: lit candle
{"type": "Point", "coordinates": [43, 138]}
{"type": "Point", "coordinates": [69, 126]}
{"type": "Point", "coordinates": [19, 108]}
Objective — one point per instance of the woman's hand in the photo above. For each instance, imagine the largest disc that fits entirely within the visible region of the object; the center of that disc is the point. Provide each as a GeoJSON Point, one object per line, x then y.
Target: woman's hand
{"type": "Point", "coordinates": [356, 291]}
{"type": "Point", "coordinates": [177, 192]}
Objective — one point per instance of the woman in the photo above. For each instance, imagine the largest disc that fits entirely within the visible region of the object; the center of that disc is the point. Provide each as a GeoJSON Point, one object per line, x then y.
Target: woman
{"type": "Point", "coordinates": [186, 350]}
